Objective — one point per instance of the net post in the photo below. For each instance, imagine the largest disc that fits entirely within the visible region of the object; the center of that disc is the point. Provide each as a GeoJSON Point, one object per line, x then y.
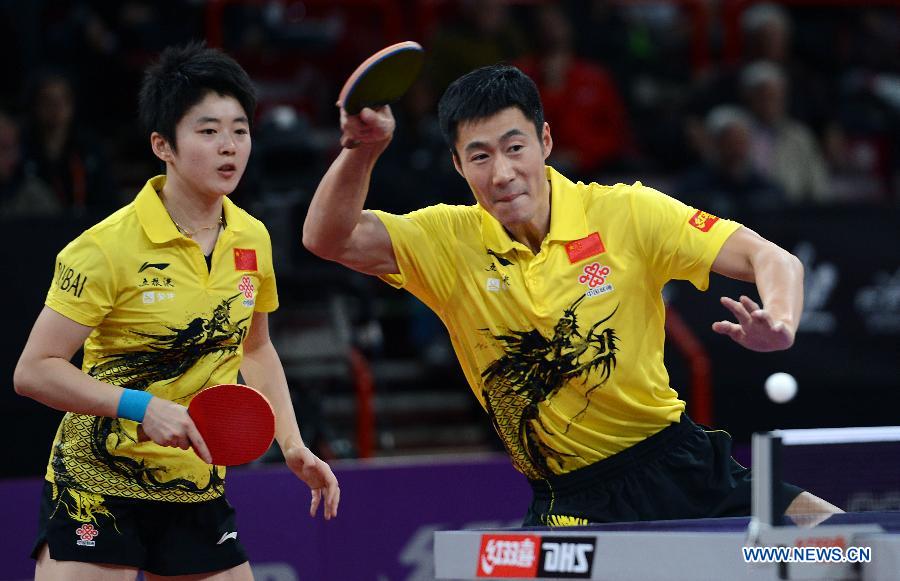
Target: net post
{"type": "Point", "coordinates": [766, 450]}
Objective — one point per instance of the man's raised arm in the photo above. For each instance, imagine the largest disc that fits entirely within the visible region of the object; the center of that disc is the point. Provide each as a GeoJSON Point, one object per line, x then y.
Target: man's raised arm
{"type": "Point", "coordinates": [336, 226]}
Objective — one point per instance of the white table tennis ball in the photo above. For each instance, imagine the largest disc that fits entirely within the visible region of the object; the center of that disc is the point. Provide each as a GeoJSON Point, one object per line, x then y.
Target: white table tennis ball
{"type": "Point", "coordinates": [781, 387]}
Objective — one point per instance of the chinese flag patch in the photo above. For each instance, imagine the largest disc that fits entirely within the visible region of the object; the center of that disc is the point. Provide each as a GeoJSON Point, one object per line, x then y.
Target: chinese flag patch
{"type": "Point", "coordinates": [703, 221]}
{"type": "Point", "coordinates": [245, 259]}
{"type": "Point", "coordinates": [585, 248]}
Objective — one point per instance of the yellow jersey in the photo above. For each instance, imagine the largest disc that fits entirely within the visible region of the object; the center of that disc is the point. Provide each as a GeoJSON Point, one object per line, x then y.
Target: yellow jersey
{"type": "Point", "coordinates": [563, 348]}
{"type": "Point", "coordinates": [163, 322]}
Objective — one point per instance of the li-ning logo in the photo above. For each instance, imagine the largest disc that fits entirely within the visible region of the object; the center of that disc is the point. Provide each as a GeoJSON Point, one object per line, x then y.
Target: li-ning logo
{"type": "Point", "coordinates": [595, 275]}
{"type": "Point", "coordinates": [500, 259]}
{"type": "Point", "coordinates": [508, 556]}
{"type": "Point", "coordinates": [86, 532]}
{"type": "Point", "coordinates": [232, 535]}
{"type": "Point", "coordinates": [156, 265]}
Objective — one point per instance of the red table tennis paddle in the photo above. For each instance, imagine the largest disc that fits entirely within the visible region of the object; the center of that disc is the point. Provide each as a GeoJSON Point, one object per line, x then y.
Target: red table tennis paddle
{"type": "Point", "coordinates": [382, 78]}
{"type": "Point", "coordinates": [236, 422]}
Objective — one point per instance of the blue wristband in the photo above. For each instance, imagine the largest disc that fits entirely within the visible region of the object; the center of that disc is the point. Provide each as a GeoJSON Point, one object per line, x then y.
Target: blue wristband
{"type": "Point", "coordinates": [133, 404]}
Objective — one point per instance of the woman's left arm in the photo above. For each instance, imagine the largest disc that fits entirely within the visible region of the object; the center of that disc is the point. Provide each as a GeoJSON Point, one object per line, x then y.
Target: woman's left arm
{"type": "Point", "coordinates": [261, 368]}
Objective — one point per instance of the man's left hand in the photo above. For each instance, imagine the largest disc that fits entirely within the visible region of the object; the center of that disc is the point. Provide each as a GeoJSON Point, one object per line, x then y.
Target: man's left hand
{"type": "Point", "coordinates": [755, 329]}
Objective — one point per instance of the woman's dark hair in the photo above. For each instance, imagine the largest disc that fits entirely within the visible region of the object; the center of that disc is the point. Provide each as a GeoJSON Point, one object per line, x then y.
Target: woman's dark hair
{"type": "Point", "coordinates": [182, 77]}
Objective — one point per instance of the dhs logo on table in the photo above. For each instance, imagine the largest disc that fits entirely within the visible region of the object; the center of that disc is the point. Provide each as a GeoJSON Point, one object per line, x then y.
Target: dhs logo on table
{"type": "Point", "coordinates": [531, 556]}
{"type": "Point", "coordinates": [567, 557]}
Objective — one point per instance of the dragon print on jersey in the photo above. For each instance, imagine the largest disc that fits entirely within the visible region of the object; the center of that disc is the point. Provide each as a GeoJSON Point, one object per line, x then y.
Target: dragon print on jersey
{"type": "Point", "coordinates": [533, 370]}
{"type": "Point", "coordinates": [168, 356]}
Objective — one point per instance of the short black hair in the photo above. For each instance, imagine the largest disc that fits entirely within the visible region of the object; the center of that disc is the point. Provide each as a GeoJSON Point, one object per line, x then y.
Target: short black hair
{"type": "Point", "coordinates": [484, 92]}
{"type": "Point", "coordinates": [181, 78]}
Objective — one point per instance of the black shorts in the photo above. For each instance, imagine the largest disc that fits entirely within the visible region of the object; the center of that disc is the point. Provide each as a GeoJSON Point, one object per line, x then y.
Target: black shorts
{"type": "Point", "coordinates": [681, 472]}
{"type": "Point", "coordinates": [165, 538]}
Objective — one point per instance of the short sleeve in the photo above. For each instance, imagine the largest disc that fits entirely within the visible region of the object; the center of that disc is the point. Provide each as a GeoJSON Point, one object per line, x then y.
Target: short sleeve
{"type": "Point", "coordinates": [423, 243]}
{"type": "Point", "coordinates": [267, 298]}
{"type": "Point", "coordinates": [679, 241]}
{"type": "Point", "coordinates": [84, 286]}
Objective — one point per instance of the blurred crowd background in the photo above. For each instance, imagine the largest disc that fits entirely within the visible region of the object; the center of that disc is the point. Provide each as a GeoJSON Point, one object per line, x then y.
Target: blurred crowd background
{"type": "Point", "coordinates": [782, 115]}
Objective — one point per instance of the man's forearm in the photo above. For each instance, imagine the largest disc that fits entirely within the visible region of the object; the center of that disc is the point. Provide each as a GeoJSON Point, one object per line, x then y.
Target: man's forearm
{"type": "Point", "coordinates": [339, 200]}
{"type": "Point", "coordinates": [779, 280]}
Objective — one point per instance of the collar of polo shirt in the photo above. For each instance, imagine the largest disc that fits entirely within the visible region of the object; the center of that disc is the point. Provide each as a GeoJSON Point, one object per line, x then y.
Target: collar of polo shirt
{"type": "Point", "coordinates": [155, 219]}
{"type": "Point", "coordinates": [567, 218]}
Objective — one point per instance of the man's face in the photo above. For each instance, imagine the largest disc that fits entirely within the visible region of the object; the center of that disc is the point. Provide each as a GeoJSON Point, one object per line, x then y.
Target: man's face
{"type": "Point", "coordinates": [213, 140]}
{"type": "Point", "coordinates": [502, 159]}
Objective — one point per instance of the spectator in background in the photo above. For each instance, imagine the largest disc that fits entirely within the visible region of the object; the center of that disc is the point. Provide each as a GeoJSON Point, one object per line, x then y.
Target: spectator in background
{"type": "Point", "coordinates": [57, 151]}
{"type": "Point", "coordinates": [483, 34]}
{"type": "Point", "coordinates": [581, 101]}
{"type": "Point", "coordinates": [20, 194]}
{"type": "Point", "coordinates": [783, 149]}
{"type": "Point", "coordinates": [766, 33]}
{"type": "Point", "coordinates": [727, 183]}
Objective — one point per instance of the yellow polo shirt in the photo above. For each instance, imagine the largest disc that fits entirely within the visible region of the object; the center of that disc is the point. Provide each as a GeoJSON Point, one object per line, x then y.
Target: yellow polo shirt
{"type": "Point", "coordinates": [163, 322]}
{"type": "Point", "coordinates": [564, 349]}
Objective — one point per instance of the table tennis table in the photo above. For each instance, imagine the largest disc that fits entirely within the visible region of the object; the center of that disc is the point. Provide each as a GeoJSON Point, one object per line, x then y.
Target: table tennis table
{"type": "Point", "coordinates": [862, 546]}
{"type": "Point", "coordinates": [689, 550]}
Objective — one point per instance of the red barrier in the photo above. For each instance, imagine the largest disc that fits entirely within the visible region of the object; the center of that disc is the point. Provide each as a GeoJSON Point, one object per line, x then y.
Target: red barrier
{"type": "Point", "coordinates": [700, 404]}
{"type": "Point", "coordinates": [364, 387]}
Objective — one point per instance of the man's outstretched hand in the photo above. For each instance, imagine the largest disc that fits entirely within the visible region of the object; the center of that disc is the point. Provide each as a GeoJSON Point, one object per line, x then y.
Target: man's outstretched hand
{"type": "Point", "coordinates": [755, 329]}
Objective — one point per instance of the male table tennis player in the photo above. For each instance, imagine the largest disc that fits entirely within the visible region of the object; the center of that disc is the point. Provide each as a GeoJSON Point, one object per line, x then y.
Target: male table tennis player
{"type": "Point", "coordinates": [168, 295]}
{"type": "Point", "coordinates": [551, 292]}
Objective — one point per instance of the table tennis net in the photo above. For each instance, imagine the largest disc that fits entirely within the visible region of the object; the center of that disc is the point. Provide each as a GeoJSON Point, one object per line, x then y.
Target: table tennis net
{"type": "Point", "coordinates": [856, 469]}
